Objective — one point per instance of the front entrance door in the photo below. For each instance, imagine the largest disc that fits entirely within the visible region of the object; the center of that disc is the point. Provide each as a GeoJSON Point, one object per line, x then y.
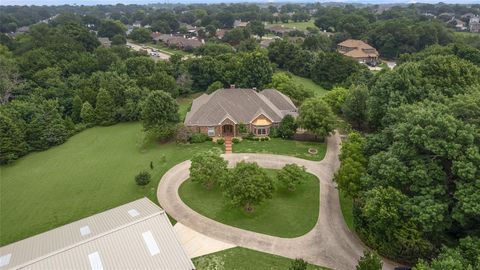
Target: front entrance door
{"type": "Point", "coordinates": [227, 130]}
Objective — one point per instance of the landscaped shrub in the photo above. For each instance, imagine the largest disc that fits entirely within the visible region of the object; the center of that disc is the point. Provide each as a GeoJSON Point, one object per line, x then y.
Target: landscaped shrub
{"type": "Point", "coordinates": [242, 128]}
{"type": "Point", "coordinates": [235, 140]}
{"type": "Point", "coordinates": [274, 132]}
{"type": "Point", "coordinates": [199, 138]}
{"type": "Point", "coordinates": [143, 178]}
{"type": "Point", "coordinates": [298, 264]}
{"type": "Point", "coordinates": [249, 137]}
{"type": "Point", "coordinates": [220, 141]}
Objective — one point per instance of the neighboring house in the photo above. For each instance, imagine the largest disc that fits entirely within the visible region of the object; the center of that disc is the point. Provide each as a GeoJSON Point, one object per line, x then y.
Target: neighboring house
{"type": "Point", "coordinates": [279, 30]}
{"type": "Point", "coordinates": [156, 36]}
{"type": "Point", "coordinates": [105, 42]}
{"type": "Point", "coordinates": [136, 235]}
{"type": "Point", "coordinates": [239, 23]}
{"type": "Point", "coordinates": [358, 50]}
{"type": "Point", "coordinates": [137, 24]}
{"type": "Point", "coordinates": [468, 16]}
{"type": "Point", "coordinates": [180, 42]}
{"type": "Point", "coordinates": [220, 33]}
{"type": "Point", "coordinates": [474, 24]}
{"type": "Point", "coordinates": [266, 42]}
{"type": "Point", "coordinates": [222, 112]}
{"type": "Point", "coordinates": [458, 24]}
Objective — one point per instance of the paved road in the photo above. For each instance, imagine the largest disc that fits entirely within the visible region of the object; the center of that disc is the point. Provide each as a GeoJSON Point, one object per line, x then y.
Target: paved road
{"type": "Point", "coordinates": [158, 54]}
{"type": "Point", "coordinates": [329, 243]}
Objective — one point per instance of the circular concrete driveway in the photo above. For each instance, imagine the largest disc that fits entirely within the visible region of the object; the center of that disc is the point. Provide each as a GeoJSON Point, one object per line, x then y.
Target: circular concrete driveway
{"type": "Point", "coordinates": [329, 243]}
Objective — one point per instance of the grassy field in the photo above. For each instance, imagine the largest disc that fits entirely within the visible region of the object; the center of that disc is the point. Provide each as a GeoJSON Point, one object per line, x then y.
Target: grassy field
{"type": "Point", "coordinates": [298, 25]}
{"type": "Point", "coordinates": [309, 84]}
{"type": "Point", "coordinates": [287, 214]}
{"type": "Point", "coordinates": [241, 259]}
{"type": "Point", "coordinates": [281, 147]}
{"type": "Point", "coordinates": [347, 209]}
{"type": "Point", "coordinates": [92, 172]}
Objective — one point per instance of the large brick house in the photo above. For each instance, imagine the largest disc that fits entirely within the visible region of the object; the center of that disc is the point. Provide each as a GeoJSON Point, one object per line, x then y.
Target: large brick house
{"type": "Point", "coordinates": [224, 111]}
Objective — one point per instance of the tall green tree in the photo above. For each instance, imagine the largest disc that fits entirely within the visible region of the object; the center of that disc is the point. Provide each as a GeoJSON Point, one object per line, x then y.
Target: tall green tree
{"type": "Point", "coordinates": [355, 106]}
{"type": "Point", "coordinates": [76, 109]}
{"type": "Point", "coordinates": [12, 140]}
{"type": "Point", "coordinates": [291, 175]}
{"type": "Point", "coordinates": [317, 117]}
{"type": "Point", "coordinates": [104, 109]}
{"type": "Point", "coordinates": [160, 114]}
{"type": "Point", "coordinates": [255, 70]}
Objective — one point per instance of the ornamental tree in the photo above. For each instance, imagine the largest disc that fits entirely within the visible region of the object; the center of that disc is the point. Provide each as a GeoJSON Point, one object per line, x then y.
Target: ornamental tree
{"type": "Point", "coordinates": [291, 175]}
{"type": "Point", "coordinates": [208, 169]}
{"type": "Point", "coordinates": [248, 185]}
{"type": "Point", "coordinates": [87, 113]}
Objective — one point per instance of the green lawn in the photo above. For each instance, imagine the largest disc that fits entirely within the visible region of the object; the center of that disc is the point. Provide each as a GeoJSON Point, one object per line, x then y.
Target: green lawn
{"type": "Point", "coordinates": [309, 84]}
{"type": "Point", "coordinates": [298, 25]}
{"type": "Point", "coordinates": [346, 204]}
{"type": "Point", "coordinates": [242, 259]}
{"type": "Point", "coordinates": [92, 172]}
{"type": "Point", "coordinates": [287, 214]}
{"type": "Point", "coordinates": [281, 147]}
{"type": "Point", "coordinates": [184, 104]}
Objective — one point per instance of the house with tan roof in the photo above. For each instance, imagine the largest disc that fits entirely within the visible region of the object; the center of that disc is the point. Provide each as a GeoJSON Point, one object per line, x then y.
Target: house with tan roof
{"type": "Point", "coordinates": [358, 50]}
{"type": "Point", "coordinates": [221, 113]}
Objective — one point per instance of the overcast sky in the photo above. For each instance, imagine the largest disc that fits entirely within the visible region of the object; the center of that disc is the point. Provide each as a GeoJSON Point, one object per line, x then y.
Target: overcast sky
{"type": "Point", "coordinates": [143, 2]}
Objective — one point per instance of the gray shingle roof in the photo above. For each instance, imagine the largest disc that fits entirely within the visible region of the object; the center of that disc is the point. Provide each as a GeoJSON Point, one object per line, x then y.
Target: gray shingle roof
{"type": "Point", "coordinates": [136, 235]}
{"type": "Point", "coordinates": [239, 105]}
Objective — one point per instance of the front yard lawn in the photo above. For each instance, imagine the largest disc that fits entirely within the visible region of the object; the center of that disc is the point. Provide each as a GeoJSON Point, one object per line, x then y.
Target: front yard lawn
{"type": "Point", "coordinates": [246, 259]}
{"type": "Point", "coordinates": [282, 147]}
{"type": "Point", "coordinates": [346, 203]}
{"type": "Point", "coordinates": [287, 214]}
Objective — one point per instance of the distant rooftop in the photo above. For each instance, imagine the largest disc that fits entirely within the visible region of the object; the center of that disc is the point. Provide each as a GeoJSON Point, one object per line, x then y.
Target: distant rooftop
{"type": "Point", "coordinates": [136, 235]}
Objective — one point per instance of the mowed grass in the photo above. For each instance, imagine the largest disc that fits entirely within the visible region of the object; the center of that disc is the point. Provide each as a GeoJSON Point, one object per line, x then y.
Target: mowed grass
{"type": "Point", "coordinates": [298, 25]}
{"type": "Point", "coordinates": [242, 259]}
{"type": "Point", "coordinates": [288, 214]}
{"type": "Point", "coordinates": [282, 147]}
{"type": "Point", "coordinates": [92, 172]}
{"type": "Point", "coordinates": [309, 84]}
{"type": "Point", "coordinates": [346, 203]}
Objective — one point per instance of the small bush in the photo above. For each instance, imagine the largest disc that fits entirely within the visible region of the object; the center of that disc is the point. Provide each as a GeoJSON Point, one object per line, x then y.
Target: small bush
{"type": "Point", "coordinates": [249, 137]}
{"type": "Point", "coordinates": [298, 264]}
{"type": "Point", "coordinates": [220, 141]}
{"type": "Point", "coordinates": [199, 138]}
{"type": "Point", "coordinates": [143, 178]}
{"type": "Point", "coordinates": [235, 140]}
{"type": "Point", "coordinates": [274, 132]}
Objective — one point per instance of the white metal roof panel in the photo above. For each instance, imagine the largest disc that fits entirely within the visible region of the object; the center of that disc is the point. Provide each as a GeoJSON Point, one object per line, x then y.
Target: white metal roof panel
{"type": "Point", "coordinates": [115, 236]}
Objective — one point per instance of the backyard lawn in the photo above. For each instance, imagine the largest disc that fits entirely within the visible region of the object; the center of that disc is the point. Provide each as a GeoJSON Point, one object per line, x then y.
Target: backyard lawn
{"type": "Point", "coordinates": [242, 259]}
{"type": "Point", "coordinates": [281, 147]}
{"type": "Point", "coordinates": [92, 172]}
{"type": "Point", "coordinates": [287, 214]}
{"type": "Point", "coordinates": [309, 84]}
{"type": "Point", "coordinates": [298, 25]}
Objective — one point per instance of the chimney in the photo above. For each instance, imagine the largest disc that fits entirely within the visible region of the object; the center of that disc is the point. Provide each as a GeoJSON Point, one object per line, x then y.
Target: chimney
{"type": "Point", "coordinates": [232, 86]}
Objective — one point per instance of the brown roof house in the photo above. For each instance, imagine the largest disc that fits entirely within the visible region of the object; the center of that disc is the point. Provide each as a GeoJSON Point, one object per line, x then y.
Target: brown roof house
{"type": "Point", "coordinates": [221, 113]}
{"type": "Point", "coordinates": [359, 50]}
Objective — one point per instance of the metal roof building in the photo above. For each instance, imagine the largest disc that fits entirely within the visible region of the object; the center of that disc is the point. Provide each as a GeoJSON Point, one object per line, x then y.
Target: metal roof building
{"type": "Point", "coordinates": [136, 235]}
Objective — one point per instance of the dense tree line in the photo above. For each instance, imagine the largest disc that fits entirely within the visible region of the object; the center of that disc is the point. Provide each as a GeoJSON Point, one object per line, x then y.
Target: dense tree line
{"type": "Point", "coordinates": [414, 178]}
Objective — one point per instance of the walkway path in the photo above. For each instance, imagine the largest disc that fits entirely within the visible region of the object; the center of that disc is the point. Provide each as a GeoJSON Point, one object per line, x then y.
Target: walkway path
{"type": "Point", "coordinates": [329, 243]}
